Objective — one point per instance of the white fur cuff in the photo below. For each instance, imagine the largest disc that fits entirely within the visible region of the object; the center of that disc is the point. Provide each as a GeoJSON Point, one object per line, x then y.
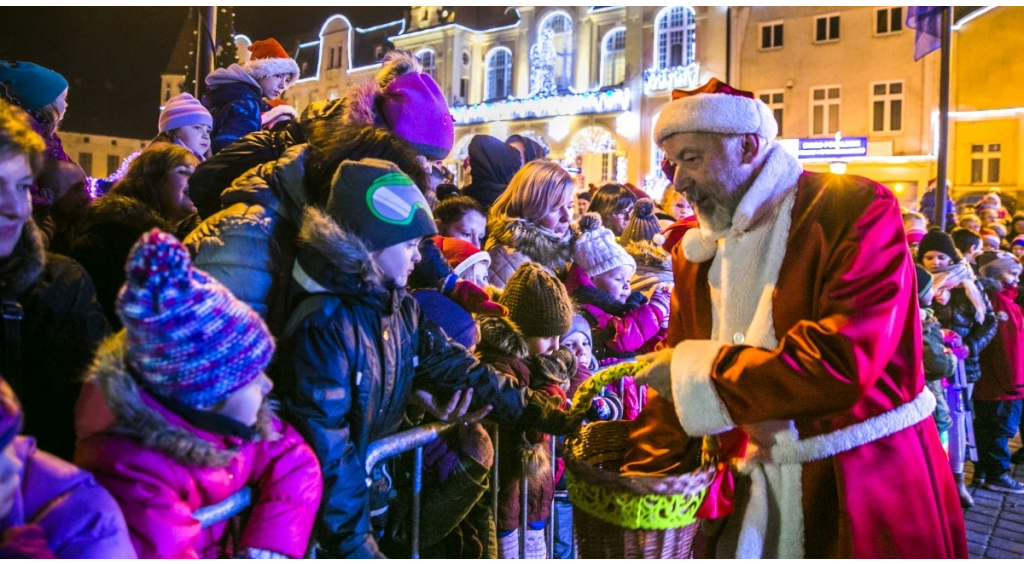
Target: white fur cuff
{"type": "Point", "coordinates": [700, 410]}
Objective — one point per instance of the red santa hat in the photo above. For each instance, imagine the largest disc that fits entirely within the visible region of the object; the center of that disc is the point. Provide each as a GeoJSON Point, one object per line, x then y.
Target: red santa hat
{"type": "Point", "coordinates": [279, 110]}
{"type": "Point", "coordinates": [715, 107]}
{"type": "Point", "coordinates": [461, 255]}
{"type": "Point", "coordinates": [269, 58]}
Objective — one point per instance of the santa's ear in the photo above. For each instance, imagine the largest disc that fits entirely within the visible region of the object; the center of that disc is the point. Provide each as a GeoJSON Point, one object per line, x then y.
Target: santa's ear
{"type": "Point", "coordinates": [751, 146]}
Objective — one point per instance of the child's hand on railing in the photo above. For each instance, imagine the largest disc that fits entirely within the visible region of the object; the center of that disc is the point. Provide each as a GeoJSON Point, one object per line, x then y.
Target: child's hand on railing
{"type": "Point", "coordinates": [455, 409]}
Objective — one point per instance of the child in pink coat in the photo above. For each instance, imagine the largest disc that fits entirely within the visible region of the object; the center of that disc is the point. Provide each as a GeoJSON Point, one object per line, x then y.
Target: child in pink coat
{"type": "Point", "coordinates": [623, 323]}
{"type": "Point", "coordinates": [173, 417]}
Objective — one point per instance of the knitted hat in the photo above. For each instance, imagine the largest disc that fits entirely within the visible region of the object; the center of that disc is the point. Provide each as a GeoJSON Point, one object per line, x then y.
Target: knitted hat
{"type": "Point", "coordinates": [1018, 240]}
{"type": "Point", "coordinates": [182, 111]}
{"type": "Point", "coordinates": [579, 325]}
{"type": "Point", "coordinates": [993, 263]}
{"type": "Point", "coordinates": [189, 339]}
{"type": "Point", "coordinates": [379, 203]}
{"type": "Point", "coordinates": [642, 226]}
{"type": "Point", "coordinates": [457, 323]}
{"type": "Point", "coordinates": [998, 228]}
{"type": "Point", "coordinates": [415, 109]}
{"type": "Point", "coordinates": [715, 107]}
{"type": "Point", "coordinates": [269, 58]}
{"type": "Point", "coordinates": [10, 415]}
{"type": "Point", "coordinates": [279, 110]}
{"type": "Point", "coordinates": [29, 85]}
{"type": "Point", "coordinates": [537, 302]}
{"type": "Point", "coordinates": [595, 249]}
{"type": "Point", "coordinates": [924, 281]}
{"type": "Point", "coordinates": [937, 241]}
{"type": "Point", "coordinates": [461, 255]}
{"type": "Point", "coordinates": [991, 238]}
{"type": "Point", "coordinates": [915, 234]}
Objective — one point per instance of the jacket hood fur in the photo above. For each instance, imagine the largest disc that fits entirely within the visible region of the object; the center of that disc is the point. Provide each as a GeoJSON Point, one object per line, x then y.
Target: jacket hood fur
{"type": "Point", "coordinates": [139, 421]}
{"type": "Point", "coordinates": [501, 337]}
{"type": "Point", "coordinates": [115, 208]}
{"type": "Point", "coordinates": [361, 99]}
{"type": "Point", "coordinates": [21, 269]}
{"type": "Point", "coordinates": [336, 259]}
{"type": "Point", "coordinates": [649, 255]}
{"type": "Point", "coordinates": [524, 237]}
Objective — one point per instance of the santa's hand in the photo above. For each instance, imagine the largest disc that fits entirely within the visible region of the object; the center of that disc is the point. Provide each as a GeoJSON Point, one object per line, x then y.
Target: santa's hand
{"type": "Point", "coordinates": [658, 372]}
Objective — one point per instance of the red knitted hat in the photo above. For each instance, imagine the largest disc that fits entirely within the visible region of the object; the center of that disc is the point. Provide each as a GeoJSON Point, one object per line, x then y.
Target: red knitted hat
{"type": "Point", "coordinates": [460, 254]}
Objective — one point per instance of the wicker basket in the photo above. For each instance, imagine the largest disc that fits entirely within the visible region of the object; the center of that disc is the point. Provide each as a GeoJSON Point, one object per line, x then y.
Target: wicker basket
{"type": "Point", "coordinates": [632, 516]}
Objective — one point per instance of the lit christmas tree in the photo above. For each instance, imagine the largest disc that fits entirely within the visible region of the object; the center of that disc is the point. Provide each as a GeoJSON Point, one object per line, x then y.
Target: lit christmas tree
{"type": "Point", "coordinates": [542, 66]}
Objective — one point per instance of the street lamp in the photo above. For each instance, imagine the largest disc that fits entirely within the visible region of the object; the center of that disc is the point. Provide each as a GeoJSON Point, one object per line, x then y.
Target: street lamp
{"type": "Point", "coordinates": [837, 167]}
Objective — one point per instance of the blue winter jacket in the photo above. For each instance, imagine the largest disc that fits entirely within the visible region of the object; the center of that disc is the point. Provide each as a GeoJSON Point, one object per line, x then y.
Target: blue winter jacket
{"type": "Point", "coordinates": [235, 101]}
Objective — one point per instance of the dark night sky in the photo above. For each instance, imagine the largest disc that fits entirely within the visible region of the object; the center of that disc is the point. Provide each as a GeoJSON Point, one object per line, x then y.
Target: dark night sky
{"type": "Point", "coordinates": [113, 57]}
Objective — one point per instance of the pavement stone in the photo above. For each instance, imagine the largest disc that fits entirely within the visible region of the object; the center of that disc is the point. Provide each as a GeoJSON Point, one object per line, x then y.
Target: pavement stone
{"type": "Point", "coordinates": [995, 525]}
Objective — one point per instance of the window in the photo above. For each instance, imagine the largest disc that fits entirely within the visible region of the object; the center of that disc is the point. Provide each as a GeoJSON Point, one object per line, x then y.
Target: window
{"type": "Point", "coordinates": [888, 20]}
{"type": "Point", "coordinates": [85, 161]}
{"type": "Point", "coordinates": [674, 37]}
{"type": "Point", "coordinates": [463, 88]}
{"type": "Point", "coordinates": [613, 64]}
{"type": "Point", "coordinates": [330, 63]}
{"type": "Point", "coordinates": [773, 99]}
{"type": "Point", "coordinates": [428, 60]}
{"type": "Point", "coordinates": [887, 106]}
{"type": "Point", "coordinates": [465, 59]}
{"type": "Point", "coordinates": [378, 52]}
{"type": "Point", "coordinates": [112, 162]}
{"type": "Point", "coordinates": [826, 28]}
{"type": "Point", "coordinates": [85, 139]}
{"type": "Point", "coordinates": [771, 35]}
{"type": "Point", "coordinates": [557, 27]}
{"type": "Point", "coordinates": [499, 74]}
{"type": "Point", "coordinates": [113, 142]}
{"type": "Point", "coordinates": [825, 110]}
{"type": "Point", "coordinates": [167, 95]}
{"type": "Point", "coordinates": [606, 160]}
{"type": "Point", "coordinates": [984, 163]}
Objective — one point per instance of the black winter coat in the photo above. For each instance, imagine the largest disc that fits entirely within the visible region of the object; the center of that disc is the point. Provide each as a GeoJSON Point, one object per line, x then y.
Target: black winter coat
{"type": "Point", "coordinates": [236, 103]}
{"type": "Point", "coordinates": [492, 164]}
{"type": "Point", "coordinates": [347, 367]}
{"type": "Point", "coordinates": [215, 175]}
{"type": "Point", "coordinates": [958, 315]}
{"type": "Point", "coordinates": [111, 226]}
{"type": "Point", "coordinates": [61, 327]}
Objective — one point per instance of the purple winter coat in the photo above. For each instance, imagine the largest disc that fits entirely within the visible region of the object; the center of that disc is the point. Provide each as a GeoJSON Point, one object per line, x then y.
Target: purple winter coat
{"type": "Point", "coordinates": [78, 517]}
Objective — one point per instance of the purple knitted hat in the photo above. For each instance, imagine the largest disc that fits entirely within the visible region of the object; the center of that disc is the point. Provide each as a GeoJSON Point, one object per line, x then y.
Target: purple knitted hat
{"type": "Point", "coordinates": [189, 339]}
{"type": "Point", "coordinates": [10, 415]}
{"type": "Point", "coordinates": [183, 110]}
{"type": "Point", "coordinates": [415, 109]}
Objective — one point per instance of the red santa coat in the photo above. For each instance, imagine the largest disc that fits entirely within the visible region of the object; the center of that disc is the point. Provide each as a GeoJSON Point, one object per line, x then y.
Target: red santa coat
{"type": "Point", "coordinates": [844, 310]}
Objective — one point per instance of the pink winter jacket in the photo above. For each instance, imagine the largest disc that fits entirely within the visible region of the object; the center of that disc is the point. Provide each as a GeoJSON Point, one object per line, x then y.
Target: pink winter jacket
{"type": "Point", "coordinates": [634, 332]}
{"type": "Point", "coordinates": [161, 469]}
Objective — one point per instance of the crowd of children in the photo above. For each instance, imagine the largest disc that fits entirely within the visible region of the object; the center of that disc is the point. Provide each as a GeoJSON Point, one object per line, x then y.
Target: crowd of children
{"type": "Point", "coordinates": [262, 293]}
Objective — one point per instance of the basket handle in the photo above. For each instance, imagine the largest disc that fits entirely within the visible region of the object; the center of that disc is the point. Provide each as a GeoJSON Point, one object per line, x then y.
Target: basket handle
{"type": "Point", "coordinates": [589, 389]}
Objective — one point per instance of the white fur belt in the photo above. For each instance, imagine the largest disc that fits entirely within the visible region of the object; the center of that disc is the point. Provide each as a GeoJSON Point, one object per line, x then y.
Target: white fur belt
{"type": "Point", "coordinates": [773, 468]}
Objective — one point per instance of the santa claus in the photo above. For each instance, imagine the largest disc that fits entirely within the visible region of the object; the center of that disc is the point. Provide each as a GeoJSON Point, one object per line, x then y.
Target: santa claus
{"type": "Point", "coordinates": [795, 327]}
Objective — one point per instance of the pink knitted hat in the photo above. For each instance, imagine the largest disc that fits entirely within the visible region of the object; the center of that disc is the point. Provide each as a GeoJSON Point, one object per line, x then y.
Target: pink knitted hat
{"type": "Point", "coordinates": [182, 111]}
{"type": "Point", "coordinates": [416, 110]}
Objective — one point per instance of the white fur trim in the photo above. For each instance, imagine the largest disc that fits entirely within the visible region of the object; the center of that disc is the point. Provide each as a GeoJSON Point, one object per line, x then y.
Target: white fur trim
{"type": "Point", "coordinates": [700, 410]}
{"type": "Point", "coordinates": [482, 256]}
{"type": "Point", "coordinates": [276, 112]}
{"type": "Point", "coordinates": [716, 113]}
{"type": "Point", "coordinates": [261, 68]}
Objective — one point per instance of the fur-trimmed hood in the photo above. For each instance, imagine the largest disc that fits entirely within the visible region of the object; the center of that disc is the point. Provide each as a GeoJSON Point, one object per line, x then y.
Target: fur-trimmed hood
{"type": "Point", "coordinates": [332, 259]}
{"type": "Point", "coordinates": [124, 210]}
{"type": "Point", "coordinates": [20, 270]}
{"type": "Point", "coordinates": [524, 237]}
{"type": "Point", "coordinates": [499, 336]}
{"type": "Point", "coordinates": [136, 414]}
{"type": "Point", "coordinates": [361, 98]}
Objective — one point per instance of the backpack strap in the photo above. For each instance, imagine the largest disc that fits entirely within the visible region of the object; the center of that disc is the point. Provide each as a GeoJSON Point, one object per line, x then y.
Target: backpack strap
{"type": "Point", "coordinates": [317, 302]}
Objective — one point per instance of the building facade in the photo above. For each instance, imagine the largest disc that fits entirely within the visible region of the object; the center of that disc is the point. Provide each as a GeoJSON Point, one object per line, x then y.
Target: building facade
{"type": "Point", "coordinates": [99, 155]}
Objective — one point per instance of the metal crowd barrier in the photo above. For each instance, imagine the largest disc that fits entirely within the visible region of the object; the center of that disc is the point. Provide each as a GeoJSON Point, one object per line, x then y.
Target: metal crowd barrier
{"type": "Point", "coordinates": [388, 447]}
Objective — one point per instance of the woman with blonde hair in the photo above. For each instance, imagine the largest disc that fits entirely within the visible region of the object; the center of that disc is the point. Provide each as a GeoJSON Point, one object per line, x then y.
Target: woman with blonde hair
{"type": "Point", "coordinates": [530, 222]}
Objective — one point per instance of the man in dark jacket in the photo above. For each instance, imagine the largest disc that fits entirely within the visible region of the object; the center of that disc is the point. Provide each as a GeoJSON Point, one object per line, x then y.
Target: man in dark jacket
{"type": "Point", "coordinates": [492, 164]}
{"type": "Point", "coordinates": [358, 344]}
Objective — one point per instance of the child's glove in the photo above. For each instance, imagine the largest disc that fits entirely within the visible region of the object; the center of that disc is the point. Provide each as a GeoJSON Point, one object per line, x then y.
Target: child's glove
{"type": "Point", "coordinates": [660, 301]}
{"type": "Point", "coordinates": [600, 410]}
{"type": "Point", "coordinates": [475, 299]}
{"type": "Point", "coordinates": [955, 344]}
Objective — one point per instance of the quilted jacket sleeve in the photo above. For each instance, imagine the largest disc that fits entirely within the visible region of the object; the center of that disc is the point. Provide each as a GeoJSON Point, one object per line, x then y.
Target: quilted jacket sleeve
{"type": "Point", "coordinates": [239, 118]}
{"type": "Point", "coordinates": [289, 486]}
{"type": "Point", "coordinates": [504, 263]}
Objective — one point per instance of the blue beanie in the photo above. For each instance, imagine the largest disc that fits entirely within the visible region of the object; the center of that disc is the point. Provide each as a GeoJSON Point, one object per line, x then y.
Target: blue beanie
{"type": "Point", "coordinates": [457, 323]}
{"type": "Point", "coordinates": [30, 85]}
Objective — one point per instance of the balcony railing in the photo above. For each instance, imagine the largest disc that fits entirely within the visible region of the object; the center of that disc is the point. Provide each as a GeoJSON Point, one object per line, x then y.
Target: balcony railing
{"type": "Point", "coordinates": [672, 77]}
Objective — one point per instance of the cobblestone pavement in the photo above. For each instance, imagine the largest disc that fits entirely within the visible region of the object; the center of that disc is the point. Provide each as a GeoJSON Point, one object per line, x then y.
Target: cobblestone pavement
{"type": "Point", "coordinates": [995, 525]}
